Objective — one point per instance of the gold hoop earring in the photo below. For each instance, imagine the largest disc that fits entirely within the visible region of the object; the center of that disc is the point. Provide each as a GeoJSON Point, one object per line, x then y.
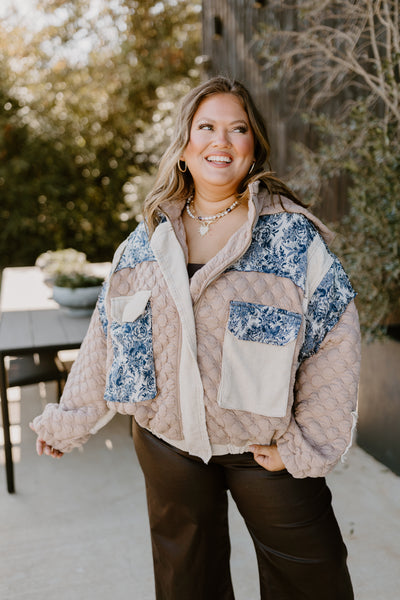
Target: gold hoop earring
{"type": "Point", "coordinates": [252, 167]}
{"type": "Point", "coordinates": [180, 168]}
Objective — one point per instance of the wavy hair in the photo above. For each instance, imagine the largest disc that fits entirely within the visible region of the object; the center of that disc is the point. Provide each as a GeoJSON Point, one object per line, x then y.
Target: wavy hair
{"type": "Point", "coordinates": [172, 184]}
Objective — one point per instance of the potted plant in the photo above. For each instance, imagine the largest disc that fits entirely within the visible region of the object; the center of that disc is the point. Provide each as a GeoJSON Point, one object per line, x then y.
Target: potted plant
{"type": "Point", "coordinates": [75, 286]}
{"type": "Point", "coordinates": [77, 292]}
{"type": "Point", "coordinates": [56, 262]}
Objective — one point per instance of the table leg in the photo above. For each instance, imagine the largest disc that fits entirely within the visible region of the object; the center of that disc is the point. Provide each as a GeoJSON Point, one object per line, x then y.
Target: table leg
{"type": "Point", "coordinates": [6, 428]}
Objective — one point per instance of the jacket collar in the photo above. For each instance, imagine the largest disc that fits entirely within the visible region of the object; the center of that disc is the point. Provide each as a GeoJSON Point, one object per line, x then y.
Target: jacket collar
{"type": "Point", "coordinates": [260, 203]}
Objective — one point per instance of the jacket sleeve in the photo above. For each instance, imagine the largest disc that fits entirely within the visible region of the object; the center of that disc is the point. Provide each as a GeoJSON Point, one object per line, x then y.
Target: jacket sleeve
{"type": "Point", "coordinates": [82, 409]}
{"type": "Point", "coordinates": [324, 412]}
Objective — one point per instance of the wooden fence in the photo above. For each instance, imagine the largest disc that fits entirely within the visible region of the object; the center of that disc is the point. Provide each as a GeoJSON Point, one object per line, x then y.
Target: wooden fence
{"type": "Point", "coordinates": [230, 48]}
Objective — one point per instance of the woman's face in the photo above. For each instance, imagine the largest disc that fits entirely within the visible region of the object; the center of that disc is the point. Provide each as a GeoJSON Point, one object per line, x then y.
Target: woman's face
{"type": "Point", "coordinates": [220, 150]}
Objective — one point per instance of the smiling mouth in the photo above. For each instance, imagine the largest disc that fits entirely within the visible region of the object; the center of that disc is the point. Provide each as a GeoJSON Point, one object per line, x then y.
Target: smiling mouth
{"type": "Point", "coordinates": [219, 160]}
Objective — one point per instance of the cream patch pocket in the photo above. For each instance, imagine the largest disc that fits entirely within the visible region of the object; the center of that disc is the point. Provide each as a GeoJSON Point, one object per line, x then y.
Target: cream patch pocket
{"type": "Point", "coordinates": [129, 308]}
{"type": "Point", "coordinates": [132, 373]}
{"type": "Point", "coordinates": [257, 358]}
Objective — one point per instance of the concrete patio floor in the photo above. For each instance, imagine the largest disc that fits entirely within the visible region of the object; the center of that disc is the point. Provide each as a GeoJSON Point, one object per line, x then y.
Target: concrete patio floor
{"type": "Point", "coordinates": [77, 529]}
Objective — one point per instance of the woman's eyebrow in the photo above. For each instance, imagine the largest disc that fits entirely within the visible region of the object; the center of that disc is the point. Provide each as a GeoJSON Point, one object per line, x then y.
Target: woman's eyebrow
{"type": "Point", "coordinates": [210, 120]}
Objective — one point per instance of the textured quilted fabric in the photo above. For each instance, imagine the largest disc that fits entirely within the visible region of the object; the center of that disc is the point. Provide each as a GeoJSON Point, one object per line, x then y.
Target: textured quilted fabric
{"type": "Point", "coordinates": [326, 399]}
{"type": "Point", "coordinates": [67, 425]}
{"type": "Point", "coordinates": [316, 429]}
{"type": "Point", "coordinates": [238, 428]}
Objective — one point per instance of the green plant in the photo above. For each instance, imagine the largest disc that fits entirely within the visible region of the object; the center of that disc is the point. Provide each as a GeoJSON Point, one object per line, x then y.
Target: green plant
{"type": "Point", "coordinates": [77, 280]}
{"type": "Point", "coordinates": [68, 268]}
{"type": "Point", "coordinates": [369, 240]}
{"type": "Point", "coordinates": [68, 260]}
{"type": "Point", "coordinates": [368, 236]}
{"type": "Point", "coordinates": [341, 63]}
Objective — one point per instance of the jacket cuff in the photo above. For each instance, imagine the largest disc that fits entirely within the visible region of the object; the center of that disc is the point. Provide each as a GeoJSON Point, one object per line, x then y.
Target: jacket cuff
{"type": "Point", "coordinates": [302, 459]}
{"type": "Point", "coordinates": [65, 430]}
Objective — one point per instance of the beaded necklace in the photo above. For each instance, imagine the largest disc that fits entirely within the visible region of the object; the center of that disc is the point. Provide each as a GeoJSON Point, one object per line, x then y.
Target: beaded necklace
{"type": "Point", "coordinates": [206, 222]}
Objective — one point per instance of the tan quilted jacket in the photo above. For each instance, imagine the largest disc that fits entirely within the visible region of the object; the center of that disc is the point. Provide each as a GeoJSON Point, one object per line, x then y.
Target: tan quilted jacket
{"type": "Point", "coordinates": [261, 346]}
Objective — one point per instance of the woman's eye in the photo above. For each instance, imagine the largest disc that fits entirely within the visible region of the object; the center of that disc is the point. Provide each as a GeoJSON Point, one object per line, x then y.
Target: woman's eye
{"type": "Point", "coordinates": [210, 127]}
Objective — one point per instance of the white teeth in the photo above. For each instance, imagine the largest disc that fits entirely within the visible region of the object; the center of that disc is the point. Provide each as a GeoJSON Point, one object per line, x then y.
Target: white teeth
{"type": "Point", "coordinates": [225, 159]}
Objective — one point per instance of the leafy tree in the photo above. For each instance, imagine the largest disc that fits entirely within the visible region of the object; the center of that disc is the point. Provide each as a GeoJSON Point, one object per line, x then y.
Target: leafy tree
{"type": "Point", "coordinates": [93, 94]}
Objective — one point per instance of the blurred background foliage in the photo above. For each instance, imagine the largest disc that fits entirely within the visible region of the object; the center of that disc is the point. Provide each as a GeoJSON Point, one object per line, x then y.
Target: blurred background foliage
{"type": "Point", "coordinates": [340, 67]}
{"type": "Point", "coordinates": [88, 91]}
{"type": "Point", "coordinates": [367, 153]}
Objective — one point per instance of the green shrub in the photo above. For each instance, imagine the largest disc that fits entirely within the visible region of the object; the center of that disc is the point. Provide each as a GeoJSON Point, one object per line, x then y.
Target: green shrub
{"type": "Point", "coordinates": [368, 237]}
{"type": "Point", "coordinates": [77, 280]}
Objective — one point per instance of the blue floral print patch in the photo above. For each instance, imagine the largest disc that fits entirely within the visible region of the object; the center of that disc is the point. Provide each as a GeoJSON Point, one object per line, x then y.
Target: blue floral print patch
{"type": "Point", "coordinates": [325, 308]}
{"type": "Point", "coordinates": [279, 246]}
{"type": "Point", "coordinates": [137, 250]}
{"type": "Point", "coordinates": [101, 306]}
{"type": "Point", "coordinates": [260, 323]}
{"type": "Point", "coordinates": [132, 374]}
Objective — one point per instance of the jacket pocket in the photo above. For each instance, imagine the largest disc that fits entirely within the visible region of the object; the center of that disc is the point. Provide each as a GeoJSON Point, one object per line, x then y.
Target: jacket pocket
{"type": "Point", "coordinates": [132, 374]}
{"type": "Point", "coordinates": [257, 358]}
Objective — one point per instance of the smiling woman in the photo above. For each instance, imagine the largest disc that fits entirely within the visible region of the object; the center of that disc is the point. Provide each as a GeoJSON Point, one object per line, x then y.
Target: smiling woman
{"type": "Point", "coordinates": [220, 151]}
{"type": "Point", "coordinates": [228, 330]}
{"type": "Point", "coordinates": [218, 157]}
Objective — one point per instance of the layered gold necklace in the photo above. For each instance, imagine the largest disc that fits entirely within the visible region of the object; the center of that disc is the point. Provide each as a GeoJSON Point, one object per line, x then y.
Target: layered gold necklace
{"type": "Point", "coordinates": [206, 222]}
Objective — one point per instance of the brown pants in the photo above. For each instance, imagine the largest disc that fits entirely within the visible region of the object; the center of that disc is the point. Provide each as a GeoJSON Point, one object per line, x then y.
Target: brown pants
{"type": "Point", "coordinates": [299, 548]}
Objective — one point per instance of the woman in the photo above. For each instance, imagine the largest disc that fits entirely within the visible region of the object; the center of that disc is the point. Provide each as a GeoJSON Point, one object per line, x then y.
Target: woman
{"type": "Point", "coordinates": [228, 330]}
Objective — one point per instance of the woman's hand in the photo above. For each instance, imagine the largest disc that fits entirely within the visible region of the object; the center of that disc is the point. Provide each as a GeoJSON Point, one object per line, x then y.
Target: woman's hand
{"type": "Point", "coordinates": [43, 448]}
{"type": "Point", "coordinates": [267, 457]}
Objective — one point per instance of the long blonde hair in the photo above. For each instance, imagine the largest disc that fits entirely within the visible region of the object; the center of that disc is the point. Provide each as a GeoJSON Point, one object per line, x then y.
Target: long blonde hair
{"type": "Point", "coordinates": [172, 184]}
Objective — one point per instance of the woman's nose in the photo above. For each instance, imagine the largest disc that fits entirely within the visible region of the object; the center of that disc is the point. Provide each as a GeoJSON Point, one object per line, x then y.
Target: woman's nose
{"type": "Point", "coordinates": [221, 137]}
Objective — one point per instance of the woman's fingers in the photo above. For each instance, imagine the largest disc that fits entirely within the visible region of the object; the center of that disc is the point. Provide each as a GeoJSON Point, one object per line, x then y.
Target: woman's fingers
{"type": "Point", "coordinates": [43, 448]}
{"type": "Point", "coordinates": [267, 457]}
{"type": "Point", "coordinates": [263, 460]}
{"type": "Point", "coordinates": [39, 446]}
{"type": "Point", "coordinates": [56, 453]}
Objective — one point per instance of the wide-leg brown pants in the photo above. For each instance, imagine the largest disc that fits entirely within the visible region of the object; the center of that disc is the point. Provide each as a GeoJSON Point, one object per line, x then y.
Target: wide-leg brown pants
{"type": "Point", "coordinates": [299, 548]}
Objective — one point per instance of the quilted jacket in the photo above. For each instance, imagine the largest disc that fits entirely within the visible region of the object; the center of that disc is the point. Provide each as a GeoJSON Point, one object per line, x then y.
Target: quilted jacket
{"type": "Point", "coordinates": [262, 345]}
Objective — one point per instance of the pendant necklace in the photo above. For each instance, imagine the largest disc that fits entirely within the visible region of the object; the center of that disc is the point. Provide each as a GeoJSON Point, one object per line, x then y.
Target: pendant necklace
{"type": "Point", "coordinates": [206, 222]}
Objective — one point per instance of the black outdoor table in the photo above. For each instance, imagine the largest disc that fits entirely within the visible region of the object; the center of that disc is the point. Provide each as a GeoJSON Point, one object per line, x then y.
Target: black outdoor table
{"type": "Point", "coordinates": [40, 327]}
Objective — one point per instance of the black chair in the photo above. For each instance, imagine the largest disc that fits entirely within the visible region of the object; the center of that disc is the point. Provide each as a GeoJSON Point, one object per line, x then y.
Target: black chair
{"type": "Point", "coordinates": [35, 368]}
